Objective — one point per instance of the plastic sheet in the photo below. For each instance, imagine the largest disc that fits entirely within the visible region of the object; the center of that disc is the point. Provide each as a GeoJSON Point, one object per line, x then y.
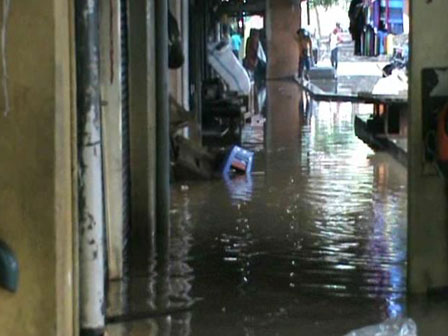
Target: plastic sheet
{"type": "Point", "coordinates": [222, 59]}
{"type": "Point", "coordinates": [396, 327]}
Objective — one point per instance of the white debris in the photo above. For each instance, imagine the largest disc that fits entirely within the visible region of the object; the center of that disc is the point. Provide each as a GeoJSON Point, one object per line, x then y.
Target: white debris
{"type": "Point", "coordinates": [393, 327]}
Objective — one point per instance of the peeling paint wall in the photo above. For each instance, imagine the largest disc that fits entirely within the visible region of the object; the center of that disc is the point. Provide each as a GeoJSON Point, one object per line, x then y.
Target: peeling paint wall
{"type": "Point", "coordinates": [428, 203]}
{"type": "Point", "coordinates": [35, 170]}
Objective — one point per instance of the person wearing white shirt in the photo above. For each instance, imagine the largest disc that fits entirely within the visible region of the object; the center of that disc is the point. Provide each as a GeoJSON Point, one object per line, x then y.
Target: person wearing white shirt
{"type": "Point", "coordinates": [335, 41]}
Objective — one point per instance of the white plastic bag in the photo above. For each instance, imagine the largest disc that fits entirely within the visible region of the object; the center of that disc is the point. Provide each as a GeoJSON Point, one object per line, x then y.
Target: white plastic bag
{"type": "Point", "coordinates": [395, 327]}
{"type": "Point", "coordinates": [222, 59]}
{"type": "Point", "coordinates": [261, 54]}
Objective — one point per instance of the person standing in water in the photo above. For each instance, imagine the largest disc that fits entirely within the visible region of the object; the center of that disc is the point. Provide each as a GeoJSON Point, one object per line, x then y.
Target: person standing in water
{"type": "Point", "coordinates": [251, 59]}
{"type": "Point", "coordinates": [305, 52]}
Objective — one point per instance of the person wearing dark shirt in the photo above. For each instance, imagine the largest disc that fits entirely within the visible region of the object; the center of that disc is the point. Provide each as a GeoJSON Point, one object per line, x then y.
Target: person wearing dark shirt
{"type": "Point", "coordinates": [251, 60]}
{"type": "Point", "coordinates": [357, 21]}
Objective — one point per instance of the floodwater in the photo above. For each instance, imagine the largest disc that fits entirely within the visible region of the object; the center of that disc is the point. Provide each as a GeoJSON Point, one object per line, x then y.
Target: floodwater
{"type": "Point", "coordinates": [312, 243]}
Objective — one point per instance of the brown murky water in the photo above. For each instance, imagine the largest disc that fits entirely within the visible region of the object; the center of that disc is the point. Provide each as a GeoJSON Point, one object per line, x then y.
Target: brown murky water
{"type": "Point", "coordinates": [312, 243]}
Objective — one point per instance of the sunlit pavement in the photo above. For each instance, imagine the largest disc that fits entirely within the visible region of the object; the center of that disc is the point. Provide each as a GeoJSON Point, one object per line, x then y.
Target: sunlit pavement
{"type": "Point", "coordinates": [357, 68]}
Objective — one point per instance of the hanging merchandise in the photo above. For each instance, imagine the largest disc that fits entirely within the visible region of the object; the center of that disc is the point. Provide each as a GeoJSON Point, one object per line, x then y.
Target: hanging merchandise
{"type": "Point", "coordinates": [357, 23]}
{"type": "Point", "coordinates": [395, 17]}
{"type": "Point", "coordinates": [390, 45]}
{"type": "Point", "coordinates": [370, 22]}
{"type": "Point", "coordinates": [373, 24]}
{"type": "Point", "coordinates": [376, 13]}
{"type": "Point", "coordinates": [382, 39]}
{"type": "Point", "coordinates": [369, 42]}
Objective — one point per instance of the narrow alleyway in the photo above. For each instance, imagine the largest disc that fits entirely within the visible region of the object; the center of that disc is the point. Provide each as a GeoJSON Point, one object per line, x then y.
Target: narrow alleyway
{"type": "Point", "coordinates": [111, 223]}
{"type": "Point", "coordinates": [313, 243]}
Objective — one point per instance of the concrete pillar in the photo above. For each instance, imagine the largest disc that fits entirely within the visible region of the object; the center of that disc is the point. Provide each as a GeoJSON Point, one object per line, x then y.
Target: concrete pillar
{"type": "Point", "coordinates": [111, 95]}
{"type": "Point", "coordinates": [428, 203]}
{"type": "Point", "coordinates": [283, 20]}
{"type": "Point", "coordinates": [163, 133]}
{"type": "Point", "coordinates": [35, 170]}
{"type": "Point", "coordinates": [142, 113]}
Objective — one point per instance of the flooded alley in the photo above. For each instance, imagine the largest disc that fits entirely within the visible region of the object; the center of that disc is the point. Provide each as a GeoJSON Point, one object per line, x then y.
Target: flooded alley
{"type": "Point", "coordinates": [224, 168]}
{"type": "Point", "coordinates": [313, 242]}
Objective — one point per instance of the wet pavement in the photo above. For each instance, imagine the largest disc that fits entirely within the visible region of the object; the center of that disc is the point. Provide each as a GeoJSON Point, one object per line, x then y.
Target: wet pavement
{"type": "Point", "coordinates": [312, 243]}
{"type": "Point", "coordinates": [358, 82]}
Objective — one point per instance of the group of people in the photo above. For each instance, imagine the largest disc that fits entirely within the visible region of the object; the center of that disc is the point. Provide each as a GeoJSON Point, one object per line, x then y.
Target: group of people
{"type": "Point", "coordinates": [255, 57]}
{"type": "Point", "coordinates": [307, 56]}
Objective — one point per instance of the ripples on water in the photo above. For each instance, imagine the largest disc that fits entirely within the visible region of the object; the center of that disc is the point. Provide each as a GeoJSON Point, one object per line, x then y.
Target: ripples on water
{"type": "Point", "coordinates": [338, 225]}
{"type": "Point", "coordinates": [322, 216]}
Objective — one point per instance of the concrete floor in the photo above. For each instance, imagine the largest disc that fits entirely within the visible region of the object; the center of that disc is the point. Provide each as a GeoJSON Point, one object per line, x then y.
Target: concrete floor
{"type": "Point", "coordinates": [313, 243]}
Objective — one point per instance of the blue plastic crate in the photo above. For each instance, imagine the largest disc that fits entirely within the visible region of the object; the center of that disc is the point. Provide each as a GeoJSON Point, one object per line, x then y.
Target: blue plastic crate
{"type": "Point", "coordinates": [240, 160]}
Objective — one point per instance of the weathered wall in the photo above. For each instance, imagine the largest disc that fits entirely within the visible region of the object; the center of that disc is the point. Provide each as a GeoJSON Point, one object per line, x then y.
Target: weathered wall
{"type": "Point", "coordinates": [428, 203]}
{"type": "Point", "coordinates": [283, 20]}
{"type": "Point", "coordinates": [35, 174]}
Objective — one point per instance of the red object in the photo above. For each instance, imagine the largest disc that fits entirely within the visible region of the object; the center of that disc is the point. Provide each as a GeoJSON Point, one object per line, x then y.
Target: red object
{"type": "Point", "coordinates": [442, 136]}
{"type": "Point", "coordinates": [239, 165]}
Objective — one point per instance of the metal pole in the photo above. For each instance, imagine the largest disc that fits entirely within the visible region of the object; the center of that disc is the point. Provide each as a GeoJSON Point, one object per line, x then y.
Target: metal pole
{"type": "Point", "coordinates": [163, 131]}
{"type": "Point", "coordinates": [90, 183]}
{"type": "Point", "coordinates": [186, 47]}
{"type": "Point", "coordinates": [308, 12]}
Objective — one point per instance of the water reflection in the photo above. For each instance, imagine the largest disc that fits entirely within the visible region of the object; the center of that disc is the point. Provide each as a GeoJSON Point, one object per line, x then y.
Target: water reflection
{"type": "Point", "coordinates": [161, 287]}
{"type": "Point", "coordinates": [314, 242]}
{"type": "Point", "coordinates": [239, 187]}
{"type": "Point", "coordinates": [261, 98]}
{"type": "Point", "coordinates": [169, 325]}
